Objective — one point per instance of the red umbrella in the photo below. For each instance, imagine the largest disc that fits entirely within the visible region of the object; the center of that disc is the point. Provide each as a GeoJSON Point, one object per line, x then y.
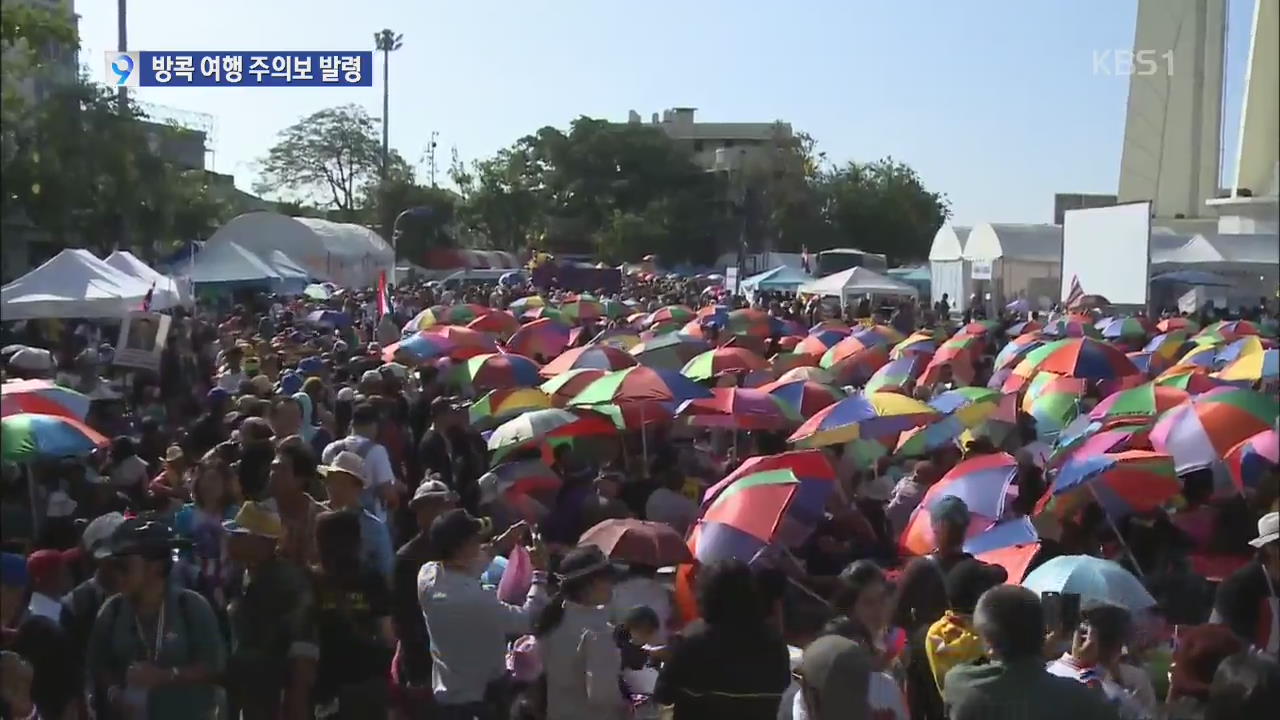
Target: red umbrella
{"type": "Point", "coordinates": [545, 337]}
{"type": "Point", "coordinates": [652, 544]}
{"type": "Point", "coordinates": [595, 357]}
{"type": "Point", "coordinates": [496, 322]}
{"type": "Point", "coordinates": [804, 397]}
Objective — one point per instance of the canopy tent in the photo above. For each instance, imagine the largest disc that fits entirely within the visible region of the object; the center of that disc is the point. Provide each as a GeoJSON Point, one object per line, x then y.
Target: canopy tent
{"type": "Point", "coordinates": [293, 277]}
{"type": "Point", "coordinates": [229, 263]}
{"type": "Point", "coordinates": [1191, 277]}
{"type": "Point", "coordinates": [166, 292]}
{"type": "Point", "coordinates": [342, 253]}
{"type": "Point", "coordinates": [783, 278]}
{"type": "Point", "coordinates": [1249, 262]}
{"type": "Point", "coordinates": [72, 284]}
{"type": "Point", "coordinates": [918, 277]}
{"type": "Point", "coordinates": [857, 281]}
{"type": "Point", "coordinates": [949, 272]}
{"type": "Point", "coordinates": [1024, 260]}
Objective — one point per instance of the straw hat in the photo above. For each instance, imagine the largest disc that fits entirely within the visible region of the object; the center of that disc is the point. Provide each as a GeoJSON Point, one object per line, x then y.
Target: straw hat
{"type": "Point", "coordinates": [255, 518]}
{"type": "Point", "coordinates": [346, 463]}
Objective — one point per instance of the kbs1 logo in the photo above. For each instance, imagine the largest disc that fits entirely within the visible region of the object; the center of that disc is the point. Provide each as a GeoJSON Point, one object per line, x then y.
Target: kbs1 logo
{"type": "Point", "coordinates": [1123, 63]}
{"type": "Point", "coordinates": [147, 68]}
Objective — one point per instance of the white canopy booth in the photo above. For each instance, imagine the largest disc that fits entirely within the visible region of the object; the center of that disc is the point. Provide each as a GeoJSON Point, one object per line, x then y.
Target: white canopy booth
{"type": "Point", "coordinates": [167, 292]}
{"type": "Point", "coordinates": [1016, 261]}
{"type": "Point", "coordinates": [1250, 261]}
{"type": "Point", "coordinates": [949, 271]}
{"type": "Point", "coordinates": [343, 253]}
{"type": "Point", "coordinates": [856, 282]}
{"type": "Point", "coordinates": [72, 284]}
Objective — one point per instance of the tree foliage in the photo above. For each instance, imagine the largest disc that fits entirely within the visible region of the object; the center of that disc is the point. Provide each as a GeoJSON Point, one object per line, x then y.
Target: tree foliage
{"type": "Point", "coordinates": [331, 156]}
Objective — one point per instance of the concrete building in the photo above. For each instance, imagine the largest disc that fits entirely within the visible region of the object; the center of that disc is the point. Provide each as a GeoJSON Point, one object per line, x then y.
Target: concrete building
{"type": "Point", "coordinates": [718, 146]}
{"type": "Point", "coordinates": [1062, 202]}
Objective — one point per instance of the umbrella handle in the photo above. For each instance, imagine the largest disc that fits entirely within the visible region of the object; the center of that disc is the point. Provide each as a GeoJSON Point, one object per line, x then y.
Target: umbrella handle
{"type": "Point", "coordinates": [1127, 550]}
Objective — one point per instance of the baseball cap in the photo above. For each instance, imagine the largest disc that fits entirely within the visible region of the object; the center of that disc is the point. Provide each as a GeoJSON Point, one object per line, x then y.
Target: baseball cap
{"type": "Point", "coordinates": [216, 395]}
{"type": "Point", "coordinates": [453, 529]}
{"type": "Point", "coordinates": [432, 490]}
{"type": "Point", "coordinates": [839, 671]}
{"type": "Point", "coordinates": [949, 509]}
{"type": "Point", "coordinates": [968, 579]}
{"type": "Point", "coordinates": [97, 534]}
{"type": "Point", "coordinates": [290, 382]}
{"type": "Point", "coordinates": [371, 376]}
{"type": "Point", "coordinates": [1268, 530]}
{"type": "Point", "coordinates": [310, 366]}
{"type": "Point", "coordinates": [42, 564]}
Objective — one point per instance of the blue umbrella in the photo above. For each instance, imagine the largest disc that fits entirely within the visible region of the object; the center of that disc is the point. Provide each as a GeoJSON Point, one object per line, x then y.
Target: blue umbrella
{"type": "Point", "coordinates": [1095, 580]}
{"type": "Point", "coordinates": [328, 318]}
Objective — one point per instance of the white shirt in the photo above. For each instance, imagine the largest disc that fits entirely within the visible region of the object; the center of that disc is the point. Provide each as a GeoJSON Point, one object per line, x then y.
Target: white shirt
{"type": "Point", "coordinates": [129, 473]}
{"type": "Point", "coordinates": [377, 466]}
{"type": "Point", "coordinates": [1125, 698]}
{"type": "Point", "coordinates": [45, 606]}
{"type": "Point", "coordinates": [230, 381]}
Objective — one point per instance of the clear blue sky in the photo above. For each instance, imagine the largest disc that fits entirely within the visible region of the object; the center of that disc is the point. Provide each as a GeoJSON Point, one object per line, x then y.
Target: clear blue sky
{"type": "Point", "coordinates": [994, 102]}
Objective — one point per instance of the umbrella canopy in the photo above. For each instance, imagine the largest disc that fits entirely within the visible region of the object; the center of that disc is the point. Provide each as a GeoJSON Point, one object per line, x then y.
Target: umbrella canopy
{"type": "Point", "coordinates": [844, 349]}
{"type": "Point", "coordinates": [1129, 328]}
{"type": "Point", "coordinates": [1201, 431]}
{"type": "Point", "coordinates": [585, 309]}
{"type": "Point", "coordinates": [1177, 323]}
{"type": "Point", "coordinates": [538, 425]}
{"type": "Point", "coordinates": [328, 319]}
{"type": "Point", "coordinates": [1093, 440]}
{"type": "Point", "coordinates": [1070, 327]}
{"type": "Point", "coordinates": [817, 344]}
{"type": "Point", "coordinates": [445, 315]}
{"type": "Point", "coordinates": [736, 408]}
{"type": "Point", "coordinates": [1011, 544]}
{"type": "Point", "coordinates": [421, 347]}
{"type": "Point", "coordinates": [669, 352]}
{"type": "Point", "coordinates": [1017, 348]}
{"type": "Point", "coordinates": [872, 415]}
{"type": "Point", "coordinates": [812, 374]}
{"type": "Point", "coordinates": [982, 482]}
{"type": "Point", "coordinates": [1083, 358]}
{"type": "Point", "coordinates": [878, 335]}
{"type": "Point", "coordinates": [1137, 405]}
{"type": "Point", "coordinates": [1095, 580]}
{"type": "Point", "coordinates": [544, 336]}
{"type": "Point", "coordinates": [620, 338]}
{"type": "Point", "coordinates": [527, 487]}
{"type": "Point", "coordinates": [1054, 402]}
{"type": "Point", "coordinates": [802, 398]}
{"type": "Point", "coordinates": [1256, 367]}
{"type": "Point", "coordinates": [317, 291]}
{"type": "Point", "coordinates": [919, 342]}
{"type": "Point", "coordinates": [28, 436]}
{"type": "Point", "coordinates": [520, 306]}
{"type": "Point", "coordinates": [545, 312]}
{"type": "Point", "coordinates": [719, 361]}
{"type": "Point", "coordinates": [497, 370]}
{"type": "Point", "coordinates": [962, 409]}
{"type": "Point", "coordinates": [597, 357]}
{"type": "Point", "coordinates": [857, 369]}
{"type": "Point", "coordinates": [897, 375]}
{"type": "Point", "coordinates": [499, 405]}
{"type": "Point", "coordinates": [1024, 327]}
{"type": "Point", "coordinates": [1148, 363]}
{"type": "Point", "coordinates": [1231, 329]}
{"type": "Point", "coordinates": [1190, 378]}
{"type": "Point", "coordinates": [980, 328]}
{"type": "Point", "coordinates": [1133, 481]}
{"type": "Point", "coordinates": [1251, 460]}
{"type": "Point", "coordinates": [42, 397]}
{"type": "Point", "coordinates": [1168, 345]}
{"type": "Point", "coordinates": [652, 544]}
{"type": "Point", "coordinates": [957, 363]}
{"type": "Point", "coordinates": [785, 361]}
{"type": "Point", "coordinates": [496, 322]}
{"type": "Point", "coordinates": [639, 384]}
{"type": "Point", "coordinates": [669, 314]}
{"type": "Point", "coordinates": [563, 387]}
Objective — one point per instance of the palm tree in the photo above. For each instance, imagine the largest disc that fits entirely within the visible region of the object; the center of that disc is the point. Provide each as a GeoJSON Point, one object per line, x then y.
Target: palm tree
{"type": "Point", "coordinates": [387, 41]}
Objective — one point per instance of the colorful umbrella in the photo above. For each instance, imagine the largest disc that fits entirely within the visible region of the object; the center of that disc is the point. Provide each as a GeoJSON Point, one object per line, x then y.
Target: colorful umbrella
{"type": "Point", "coordinates": [833, 324]}
{"type": "Point", "coordinates": [784, 362]}
{"type": "Point", "coordinates": [874, 415]}
{"type": "Point", "coordinates": [1083, 358]}
{"type": "Point", "coordinates": [1124, 483]}
{"type": "Point", "coordinates": [328, 319]}
{"type": "Point", "coordinates": [520, 306]}
{"type": "Point", "coordinates": [802, 398]}
{"type": "Point", "coordinates": [750, 321]}
{"type": "Point", "coordinates": [639, 385]}
{"type": "Point", "coordinates": [1022, 328]}
{"type": "Point", "coordinates": [545, 312]}
{"type": "Point", "coordinates": [43, 397]}
{"type": "Point", "coordinates": [719, 361]}
{"type": "Point", "coordinates": [896, 375]}
{"type": "Point", "coordinates": [817, 344]}
{"type": "Point", "coordinates": [496, 322]}
{"type": "Point", "coordinates": [1201, 431]}
{"type": "Point", "coordinates": [980, 328]}
{"type": "Point", "coordinates": [669, 314]}
{"type": "Point", "coordinates": [1251, 460]}
{"type": "Point", "coordinates": [1095, 580]}
{"type": "Point", "coordinates": [1168, 345]}
{"type": "Point", "coordinates": [1255, 367]}
{"type": "Point", "coordinates": [543, 337]}
{"type": "Point", "coordinates": [1231, 329]}
{"type": "Point", "coordinates": [921, 343]}
{"type": "Point", "coordinates": [669, 352]}
{"type": "Point", "coordinates": [768, 500]}
{"type": "Point", "coordinates": [1125, 327]}
{"type": "Point", "coordinates": [884, 335]}
{"type": "Point", "coordinates": [528, 487]}
{"type": "Point", "coordinates": [983, 482]}
{"type": "Point", "coordinates": [736, 408]}
{"type": "Point", "coordinates": [496, 371]}
{"type": "Point", "coordinates": [1017, 348]}
{"type": "Point", "coordinates": [1137, 405]}
{"type": "Point", "coordinates": [615, 309]}
{"type": "Point", "coordinates": [956, 362]}
{"type": "Point", "coordinates": [652, 544]}
{"type": "Point", "coordinates": [563, 387]}
{"type": "Point", "coordinates": [962, 409]}
{"type": "Point", "coordinates": [499, 405]}
{"type": "Point", "coordinates": [1148, 363]}
{"type": "Point", "coordinates": [1190, 378]}
{"type": "Point", "coordinates": [445, 315]}
{"type": "Point", "coordinates": [598, 357]}
{"type": "Point", "coordinates": [538, 425]}
{"type": "Point", "coordinates": [1177, 323]}
{"type": "Point", "coordinates": [1093, 440]}
{"type": "Point", "coordinates": [617, 337]}
{"type": "Point", "coordinates": [28, 436]}
{"type": "Point", "coordinates": [1070, 327]}
{"type": "Point", "coordinates": [1012, 544]}
{"type": "Point", "coordinates": [584, 309]}
{"type": "Point", "coordinates": [812, 374]}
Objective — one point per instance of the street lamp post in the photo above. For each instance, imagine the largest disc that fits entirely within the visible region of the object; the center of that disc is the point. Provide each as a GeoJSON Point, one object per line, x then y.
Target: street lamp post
{"type": "Point", "coordinates": [387, 41]}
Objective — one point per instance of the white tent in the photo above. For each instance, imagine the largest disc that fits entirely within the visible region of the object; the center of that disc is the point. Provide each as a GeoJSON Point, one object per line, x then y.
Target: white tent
{"type": "Point", "coordinates": [1250, 261]}
{"type": "Point", "coordinates": [168, 292]}
{"type": "Point", "coordinates": [342, 253]}
{"type": "Point", "coordinates": [783, 278]}
{"type": "Point", "coordinates": [72, 284]}
{"type": "Point", "coordinates": [1024, 260]}
{"type": "Point", "coordinates": [949, 271]}
{"type": "Point", "coordinates": [855, 282]}
{"type": "Point", "coordinates": [228, 262]}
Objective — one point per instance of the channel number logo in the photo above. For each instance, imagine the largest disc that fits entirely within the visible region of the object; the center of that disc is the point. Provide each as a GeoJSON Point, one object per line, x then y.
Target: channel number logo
{"type": "Point", "coordinates": [122, 69]}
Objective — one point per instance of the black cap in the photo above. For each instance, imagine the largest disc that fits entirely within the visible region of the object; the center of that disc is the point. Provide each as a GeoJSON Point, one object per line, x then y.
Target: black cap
{"type": "Point", "coordinates": [582, 563]}
{"type": "Point", "coordinates": [453, 529]}
{"type": "Point", "coordinates": [139, 536]}
{"type": "Point", "coordinates": [967, 581]}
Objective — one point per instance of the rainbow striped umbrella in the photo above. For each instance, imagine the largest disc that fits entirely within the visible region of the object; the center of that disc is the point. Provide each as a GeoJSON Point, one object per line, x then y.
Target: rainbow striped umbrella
{"type": "Point", "coordinates": [520, 306]}
{"type": "Point", "coordinates": [1201, 431]}
{"type": "Point", "coordinates": [1177, 323]}
{"type": "Point", "coordinates": [669, 314]}
{"type": "Point", "coordinates": [639, 385]}
{"type": "Point", "coordinates": [1256, 367]}
{"type": "Point", "coordinates": [1083, 358]}
{"type": "Point", "coordinates": [1231, 329]}
{"type": "Point", "coordinates": [1093, 440]}
{"type": "Point", "coordinates": [584, 309]}
{"type": "Point", "coordinates": [1124, 483]}
{"type": "Point", "coordinates": [980, 328]}
{"type": "Point", "coordinates": [1017, 348]}
{"type": "Point", "coordinates": [721, 360]}
{"type": "Point", "coordinates": [918, 343]}
{"type": "Point", "coordinates": [840, 325]}
{"type": "Point", "coordinates": [874, 415]}
{"type": "Point", "coordinates": [1148, 363]}
{"type": "Point", "coordinates": [1190, 378]}
{"type": "Point", "coordinates": [615, 309]}
{"type": "Point", "coordinates": [857, 369]}
{"type": "Point", "coordinates": [807, 372]}
{"type": "Point", "coordinates": [962, 409]}
{"type": "Point", "coordinates": [1024, 327]}
{"type": "Point", "coordinates": [1126, 328]}
{"type": "Point", "coordinates": [445, 315]}
{"type": "Point", "coordinates": [955, 357]}
{"type": "Point", "coordinates": [786, 361]}
{"type": "Point", "coordinates": [735, 408]}
{"type": "Point", "coordinates": [599, 357]}
{"type": "Point", "coordinates": [496, 322]}
{"type": "Point", "coordinates": [539, 425]}
{"type": "Point", "coordinates": [563, 387]}
{"type": "Point", "coordinates": [1251, 460]}
{"type": "Point", "coordinates": [545, 312]}
{"type": "Point", "coordinates": [1070, 327]}
{"type": "Point", "coordinates": [751, 321]}
{"type": "Point", "coordinates": [817, 344]}
{"type": "Point", "coordinates": [845, 348]}
{"type": "Point", "coordinates": [1054, 402]}
{"type": "Point", "coordinates": [496, 371]}
{"type": "Point", "coordinates": [896, 375]}
{"type": "Point", "coordinates": [878, 335]}
{"type": "Point", "coordinates": [43, 397]}
{"type": "Point", "coordinates": [802, 398]}
{"type": "Point", "coordinates": [543, 337]}
{"type": "Point", "coordinates": [499, 405]}
{"type": "Point", "coordinates": [1168, 345]}
{"type": "Point", "coordinates": [982, 482]}
{"type": "Point", "coordinates": [1138, 405]}
{"type": "Point", "coordinates": [961, 345]}
{"type": "Point", "coordinates": [620, 338]}
{"type": "Point", "coordinates": [28, 436]}
{"type": "Point", "coordinates": [669, 352]}
{"type": "Point", "coordinates": [419, 348]}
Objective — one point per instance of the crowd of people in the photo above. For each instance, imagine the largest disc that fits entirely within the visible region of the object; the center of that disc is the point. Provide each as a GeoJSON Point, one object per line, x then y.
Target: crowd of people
{"type": "Point", "coordinates": [289, 524]}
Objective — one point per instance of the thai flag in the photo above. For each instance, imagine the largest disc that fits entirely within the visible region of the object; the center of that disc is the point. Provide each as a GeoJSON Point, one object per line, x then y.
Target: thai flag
{"type": "Point", "coordinates": [146, 299]}
{"type": "Point", "coordinates": [384, 296]}
{"type": "Point", "coordinates": [1076, 293]}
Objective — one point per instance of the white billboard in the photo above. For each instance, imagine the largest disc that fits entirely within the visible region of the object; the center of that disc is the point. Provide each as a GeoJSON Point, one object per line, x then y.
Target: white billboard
{"type": "Point", "coordinates": [1108, 250]}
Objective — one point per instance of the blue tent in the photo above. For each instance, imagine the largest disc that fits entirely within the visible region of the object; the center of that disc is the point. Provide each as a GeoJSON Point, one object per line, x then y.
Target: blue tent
{"type": "Point", "coordinates": [783, 278]}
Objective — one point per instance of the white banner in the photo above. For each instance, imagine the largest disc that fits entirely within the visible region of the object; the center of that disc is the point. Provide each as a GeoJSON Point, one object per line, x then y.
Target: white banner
{"type": "Point", "coordinates": [142, 339]}
{"type": "Point", "coordinates": [731, 280]}
{"type": "Point", "coordinates": [981, 269]}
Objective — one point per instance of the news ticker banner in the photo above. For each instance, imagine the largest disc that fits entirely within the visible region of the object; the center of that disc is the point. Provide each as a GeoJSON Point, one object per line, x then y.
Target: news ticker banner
{"type": "Point", "coordinates": [323, 68]}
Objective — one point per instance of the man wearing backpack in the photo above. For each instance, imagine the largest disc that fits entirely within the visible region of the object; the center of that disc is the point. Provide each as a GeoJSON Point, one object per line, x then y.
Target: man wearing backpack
{"type": "Point", "coordinates": [382, 491]}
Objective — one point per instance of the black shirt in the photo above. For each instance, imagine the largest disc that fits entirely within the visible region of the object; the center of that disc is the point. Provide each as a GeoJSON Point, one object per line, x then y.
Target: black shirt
{"type": "Point", "coordinates": [406, 611]}
{"type": "Point", "coordinates": [1240, 599]}
{"type": "Point", "coordinates": [348, 614]}
{"type": "Point", "coordinates": [729, 673]}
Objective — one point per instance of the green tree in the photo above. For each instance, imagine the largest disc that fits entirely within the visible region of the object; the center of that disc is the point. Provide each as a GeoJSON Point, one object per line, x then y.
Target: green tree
{"type": "Point", "coordinates": [882, 206]}
{"type": "Point", "coordinates": [330, 157]}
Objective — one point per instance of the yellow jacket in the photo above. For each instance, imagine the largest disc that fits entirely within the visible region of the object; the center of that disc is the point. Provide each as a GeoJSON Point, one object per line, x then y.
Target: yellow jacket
{"type": "Point", "coordinates": [951, 641]}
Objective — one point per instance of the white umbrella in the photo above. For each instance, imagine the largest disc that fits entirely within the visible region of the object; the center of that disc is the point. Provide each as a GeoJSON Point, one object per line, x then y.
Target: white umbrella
{"type": "Point", "coordinates": [1095, 580]}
